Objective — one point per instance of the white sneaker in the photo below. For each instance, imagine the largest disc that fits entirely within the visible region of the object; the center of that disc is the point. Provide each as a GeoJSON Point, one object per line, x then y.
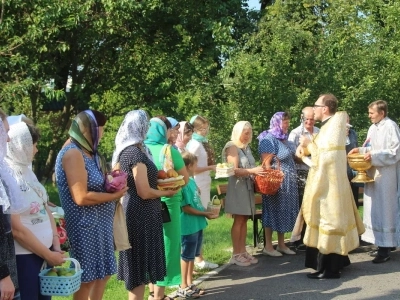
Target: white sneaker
{"type": "Point", "coordinates": [240, 260]}
{"type": "Point", "coordinates": [205, 265]}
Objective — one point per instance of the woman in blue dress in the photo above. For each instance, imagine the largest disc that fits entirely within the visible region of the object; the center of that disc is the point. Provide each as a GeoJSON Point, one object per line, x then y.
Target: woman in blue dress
{"type": "Point", "coordinates": [89, 210]}
{"type": "Point", "coordinates": [279, 211]}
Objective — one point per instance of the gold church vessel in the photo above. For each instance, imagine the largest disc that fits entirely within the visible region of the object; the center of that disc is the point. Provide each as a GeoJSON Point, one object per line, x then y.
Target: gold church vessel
{"type": "Point", "coordinates": [357, 162]}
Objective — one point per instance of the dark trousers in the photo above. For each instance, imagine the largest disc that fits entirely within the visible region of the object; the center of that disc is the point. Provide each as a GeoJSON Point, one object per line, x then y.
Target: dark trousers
{"type": "Point", "coordinates": [384, 251]}
{"type": "Point", "coordinates": [28, 268]}
{"type": "Point", "coordinates": [331, 263]}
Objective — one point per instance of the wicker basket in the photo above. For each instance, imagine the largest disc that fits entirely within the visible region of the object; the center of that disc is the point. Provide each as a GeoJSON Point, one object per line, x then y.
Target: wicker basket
{"type": "Point", "coordinates": [60, 285]}
{"type": "Point", "coordinates": [215, 209]}
{"type": "Point", "coordinates": [270, 183]}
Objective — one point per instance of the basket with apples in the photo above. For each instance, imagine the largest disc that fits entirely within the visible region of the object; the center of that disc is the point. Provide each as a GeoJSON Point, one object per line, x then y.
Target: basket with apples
{"type": "Point", "coordinates": [224, 170]}
{"type": "Point", "coordinates": [60, 281]}
{"type": "Point", "coordinates": [214, 205]}
{"type": "Point", "coordinates": [169, 180]}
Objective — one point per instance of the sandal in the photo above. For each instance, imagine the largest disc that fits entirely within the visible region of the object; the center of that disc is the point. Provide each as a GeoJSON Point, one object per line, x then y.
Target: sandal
{"type": "Point", "coordinates": [197, 290]}
{"type": "Point", "coordinates": [151, 297]}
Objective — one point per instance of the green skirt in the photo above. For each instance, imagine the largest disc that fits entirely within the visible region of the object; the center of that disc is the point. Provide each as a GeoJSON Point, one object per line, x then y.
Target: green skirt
{"type": "Point", "coordinates": [172, 241]}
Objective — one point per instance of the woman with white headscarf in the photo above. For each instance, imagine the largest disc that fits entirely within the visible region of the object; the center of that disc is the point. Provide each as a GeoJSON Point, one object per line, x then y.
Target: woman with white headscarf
{"type": "Point", "coordinates": [35, 233]}
{"type": "Point", "coordinates": [240, 193]}
{"type": "Point", "coordinates": [11, 202]}
{"type": "Point", "coordinates": [144, 263]}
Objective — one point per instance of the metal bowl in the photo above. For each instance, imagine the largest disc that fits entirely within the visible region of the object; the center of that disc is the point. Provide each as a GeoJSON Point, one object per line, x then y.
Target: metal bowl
{"type": "Point", "coordinates": [357, 162]}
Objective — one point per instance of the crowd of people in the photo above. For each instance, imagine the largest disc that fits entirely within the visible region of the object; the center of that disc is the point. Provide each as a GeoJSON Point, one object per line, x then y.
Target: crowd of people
{"type": "Point", "coordinates": [316, 200]}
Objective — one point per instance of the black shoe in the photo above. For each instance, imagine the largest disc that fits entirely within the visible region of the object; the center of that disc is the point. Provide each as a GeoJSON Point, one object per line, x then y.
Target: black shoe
{"type": "Point", "coordinates": [380, 259]}
{"type": "Point", "coordinates": [301, 248]}
{"type": "Point", "coordinates": [393, 249]}
{"type": "Point", "coordinates": [314, 275]}
{"type": "Point", "coordinates": [324, 275]}
{"type": "Point", "coordinates": [373, 253]}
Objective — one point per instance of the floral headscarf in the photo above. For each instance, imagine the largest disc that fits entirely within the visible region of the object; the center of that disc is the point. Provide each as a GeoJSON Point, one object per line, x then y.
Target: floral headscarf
{"type": "Point", "coordinates": [275, 127]}
{"type": "Point", "coordinates": [157, 133]}
{"type": "Point", "coordinates": [131, 132]}
{"type": "Point", "coordinates": [11, 198]}
{"type": "Point", "coordinates": [84, 132]}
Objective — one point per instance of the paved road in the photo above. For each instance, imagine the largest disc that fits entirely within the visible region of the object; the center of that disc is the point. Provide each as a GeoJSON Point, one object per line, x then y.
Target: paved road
{"type": "Point", "coordinates": [285, 278]}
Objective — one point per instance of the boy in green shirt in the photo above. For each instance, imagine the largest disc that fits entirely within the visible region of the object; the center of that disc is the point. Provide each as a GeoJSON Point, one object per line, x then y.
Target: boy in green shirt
{"type": "Point", "coordinates": [193, 221]}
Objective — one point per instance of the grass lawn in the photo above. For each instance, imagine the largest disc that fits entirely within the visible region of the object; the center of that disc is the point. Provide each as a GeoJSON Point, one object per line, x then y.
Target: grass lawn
{"type": "Point", "coordinates": [217, 243]}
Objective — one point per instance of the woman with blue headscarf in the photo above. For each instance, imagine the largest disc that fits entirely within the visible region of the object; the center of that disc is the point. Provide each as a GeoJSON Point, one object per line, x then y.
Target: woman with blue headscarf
{"type": "Point", "coordinates": [89, 210]}
{"type": "Point", "coordinates": [279, 211]}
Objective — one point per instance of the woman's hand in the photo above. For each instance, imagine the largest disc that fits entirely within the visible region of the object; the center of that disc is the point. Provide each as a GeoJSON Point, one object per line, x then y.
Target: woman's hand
{"type": "Point", "coordinates": [7, 288]}
{"type": "Point", "coordinates": [120, 193]}
{"type": "Point", "coordinates": [169, 193]}
{"type": "Point", "coordinates": [260, 171]}
{"type": "Point", "coordinates": [55, 258]}
{"type": "Point", "coordinates": [212, 167]}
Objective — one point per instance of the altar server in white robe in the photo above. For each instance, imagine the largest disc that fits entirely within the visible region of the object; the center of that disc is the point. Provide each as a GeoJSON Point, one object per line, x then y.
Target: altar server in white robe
{"type": "Point", "coordinates": [381, 197]}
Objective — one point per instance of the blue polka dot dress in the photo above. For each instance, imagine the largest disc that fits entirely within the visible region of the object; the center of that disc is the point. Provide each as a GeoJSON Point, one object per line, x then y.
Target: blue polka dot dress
{"type": "Point", "coordinates": [279, 211]}
{"type": "Point", "coordinates": [89, 228]}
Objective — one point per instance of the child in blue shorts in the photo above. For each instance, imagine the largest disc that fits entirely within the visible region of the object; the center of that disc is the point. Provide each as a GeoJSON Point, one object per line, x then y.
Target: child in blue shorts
{"type": "Point", "coordinates": [193, 221]}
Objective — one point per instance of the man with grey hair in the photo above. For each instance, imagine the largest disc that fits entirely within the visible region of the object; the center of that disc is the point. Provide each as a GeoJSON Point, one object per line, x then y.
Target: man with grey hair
{"type": "Point", "coordinates": [307, 129]}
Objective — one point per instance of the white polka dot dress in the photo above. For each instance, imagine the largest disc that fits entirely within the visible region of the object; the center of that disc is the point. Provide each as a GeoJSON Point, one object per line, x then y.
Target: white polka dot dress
{"type": "Point", "coordinates": [280, 211]}
{"type": "Point", "coordinates": [145, 262]}
{"type": "Point", "coordinates": [89, 228]}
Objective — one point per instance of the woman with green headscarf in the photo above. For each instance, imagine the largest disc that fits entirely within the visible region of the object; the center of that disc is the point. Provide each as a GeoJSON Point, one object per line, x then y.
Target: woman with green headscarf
{"type": "Point", "coordinates": [156, 141]}
{"type": "Point", "coordinates": [89, 210]}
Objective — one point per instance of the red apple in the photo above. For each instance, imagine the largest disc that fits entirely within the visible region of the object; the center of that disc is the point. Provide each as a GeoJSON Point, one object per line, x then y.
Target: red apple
{"type": "Point", "coordinates": [162, 174]}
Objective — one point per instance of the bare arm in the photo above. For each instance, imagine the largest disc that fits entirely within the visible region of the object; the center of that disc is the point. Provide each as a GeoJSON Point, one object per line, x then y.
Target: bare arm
{"type": "Point", "coordinates": [184, 173]}
{"type": "Point", "coordinates": [232, 156]}
{"type": "Point", "coordinates": [28, 240]}
{"type": "Point", "coordinates": [203, 169]}
{"type": "Point", "coordinates": [56, 238]}
{"type": "Point", "coordinates": [142, 184]}
{"type": "Point", "coordinates": [74, 167]}
{"type": "Point", "coordinates": [192, 211]}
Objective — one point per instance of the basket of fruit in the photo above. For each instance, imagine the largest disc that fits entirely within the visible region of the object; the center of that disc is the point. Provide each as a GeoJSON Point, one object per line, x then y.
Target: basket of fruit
{"type": "Point", "coordinates": [224, 170]}
{"type": "Point", "coordinates": [214, 205]}
{"type": "Point", "coordinates": [60, 281]}
{"type": "Point", "coordinates": [169, 180]}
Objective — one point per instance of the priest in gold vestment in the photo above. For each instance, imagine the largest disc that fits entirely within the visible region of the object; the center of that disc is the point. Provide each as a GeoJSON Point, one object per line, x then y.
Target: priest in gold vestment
{"type": "Point", "coordinates": [329, 210]}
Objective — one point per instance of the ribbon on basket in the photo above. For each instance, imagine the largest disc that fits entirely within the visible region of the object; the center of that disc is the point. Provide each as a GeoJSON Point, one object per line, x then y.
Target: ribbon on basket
{"type": "Point", "coordinates": [270, 183]}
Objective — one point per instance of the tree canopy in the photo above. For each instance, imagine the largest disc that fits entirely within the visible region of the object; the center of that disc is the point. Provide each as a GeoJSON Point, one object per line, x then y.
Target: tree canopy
{"type": "Point", "coordinates": [180, 58]}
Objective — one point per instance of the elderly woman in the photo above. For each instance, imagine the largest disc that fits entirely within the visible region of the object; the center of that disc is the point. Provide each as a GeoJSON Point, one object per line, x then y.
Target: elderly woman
{"type": "Point", "coordinates": [156, 141]}
{"type": "Point", "coordinates": [35, 233]}
{"type": "Point", "coordinates": [240, 193]}
{"type": "Point", "coordinates": [279, 211]}
{"type": "Point", "coordinates": [89, 210]}
{"type": "Point", "coordinates": [184, 136]}
{"type": "Point", "coordinates": [144, 263]}
{"type": "Point", "coordinates": [11, 202]}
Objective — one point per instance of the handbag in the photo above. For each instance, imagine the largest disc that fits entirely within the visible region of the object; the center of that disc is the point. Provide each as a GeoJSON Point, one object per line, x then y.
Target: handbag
{"type": "Point", "coordinates": [166, 217]}
{"type": "Point", "coordinates": [120, 231]}
{"type": "Point", "coordinates": [270, 183]}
